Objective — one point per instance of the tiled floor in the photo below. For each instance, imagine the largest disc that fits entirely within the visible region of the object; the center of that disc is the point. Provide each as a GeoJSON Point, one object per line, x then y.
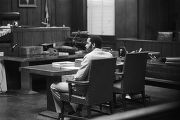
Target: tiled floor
{"type": "Point", "coordinates": [15, 106]}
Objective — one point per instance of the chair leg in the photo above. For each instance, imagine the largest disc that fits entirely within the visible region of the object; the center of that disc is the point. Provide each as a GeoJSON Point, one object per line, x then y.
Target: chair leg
{"type": "Point", "coordinates": [59, 116]}
{"type": "Point", "coordinates": [143, 98]}
{"type": "Point", "coordinates": [88, 111]}
{"type": "Point", "coordinates": [100, 107]}
{"type": "Point", "coordinates": [124, 101]}
{"type": "Point", "coordinates": [111, 107]}
{"type": "Point", "coordinates": [114, 98]}
{"type": "Point", "coordinates": [62, 111]}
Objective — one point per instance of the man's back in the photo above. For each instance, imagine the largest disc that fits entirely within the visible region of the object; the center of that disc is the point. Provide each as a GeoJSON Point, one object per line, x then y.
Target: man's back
{"type": "Point", "coordinates": [95, 54]}
{"type": "Point", "coordinates": [98, 54]}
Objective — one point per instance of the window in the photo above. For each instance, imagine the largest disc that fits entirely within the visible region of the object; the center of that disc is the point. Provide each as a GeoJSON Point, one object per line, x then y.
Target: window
{"type": "Point", "coordinates": [27, 3]}
{"type": "Point", "coordinates": [101, 17]}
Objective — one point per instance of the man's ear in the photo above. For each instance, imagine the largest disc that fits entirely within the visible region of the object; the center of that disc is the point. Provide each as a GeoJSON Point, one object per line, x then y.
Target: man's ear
{"type": "Point", "coordinates": [93, 45]}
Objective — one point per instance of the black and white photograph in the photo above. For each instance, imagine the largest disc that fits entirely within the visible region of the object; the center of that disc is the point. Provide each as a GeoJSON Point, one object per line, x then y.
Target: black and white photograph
{"type": "Point", "coordinates": [89, 59]}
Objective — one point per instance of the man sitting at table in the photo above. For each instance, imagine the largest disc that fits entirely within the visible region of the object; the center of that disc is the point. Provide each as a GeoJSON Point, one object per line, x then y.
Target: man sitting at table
{"type": "Point", "coordinates": [93, 46]}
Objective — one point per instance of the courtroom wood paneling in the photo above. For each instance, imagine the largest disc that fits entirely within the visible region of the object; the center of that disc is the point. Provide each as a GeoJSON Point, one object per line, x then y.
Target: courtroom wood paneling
{"type": "Point", "coordinates": [63, 12]}
{"type": "Point", "coordinates": [156, 16]}
{"type": "Point", "coordinates": [134, 18]}
{"type": "Point", "coordinates": [29, 16]}
{"type": "Point", "coordinates": [155, 47]}
{"type": "Point", "coordinates": [38, 35]}
{"type": "Point", "coordinates": [177, 14]}
{"type": "Point", "coordinates": [147, 46]}
{"type": "Point", "coordinates": [166, 49]}
{"type": "Point", "coordinates": [109, 41]}
{"type": "Point", "coordinates": [144, 18]}
{"type": "Point", "coordinates": [176, 49]}
{"type": "Point", "coordinates": [126, 18]}
{"type": "Point", "coordinates": [59, 12]}
{"type": "Point", "coordinates": [6, 48]}
{"type": "Point", "coordinates": [163, 71]}
{"type": "Point", "coordinates": [79, 15]}
{"type": "Point", "coordinates": [6, 8]}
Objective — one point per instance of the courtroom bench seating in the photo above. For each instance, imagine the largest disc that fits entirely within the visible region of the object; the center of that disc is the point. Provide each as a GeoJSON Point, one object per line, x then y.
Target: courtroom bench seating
{"type": "Point", "coordinates": [162, 82]}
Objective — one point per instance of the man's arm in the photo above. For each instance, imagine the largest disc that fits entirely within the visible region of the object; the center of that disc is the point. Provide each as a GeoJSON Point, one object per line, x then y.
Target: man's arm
{"type": "Point", "coordinates": [83, 71]}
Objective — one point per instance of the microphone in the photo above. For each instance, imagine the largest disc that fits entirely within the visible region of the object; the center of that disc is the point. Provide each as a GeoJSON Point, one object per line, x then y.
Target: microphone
{"type": "Point", "coordinates": [12, 48]}
{"type": "Point", "coordinates": [140, 49]}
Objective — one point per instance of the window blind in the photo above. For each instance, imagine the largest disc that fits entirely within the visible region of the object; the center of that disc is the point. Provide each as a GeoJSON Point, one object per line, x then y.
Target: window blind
{"type": "Point", "coordinates": [101, 18]}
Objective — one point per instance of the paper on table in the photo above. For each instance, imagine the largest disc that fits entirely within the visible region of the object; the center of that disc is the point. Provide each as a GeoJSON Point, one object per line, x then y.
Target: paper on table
{"type": "Point", "coordinates": [70, 67]}
{"type": "Point", "coordinates": [62, 64]}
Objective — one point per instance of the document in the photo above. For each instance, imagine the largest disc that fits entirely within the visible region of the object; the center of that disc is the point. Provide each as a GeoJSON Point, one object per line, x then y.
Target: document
{"type": "Point", "coordinates": [63, 64]}
{"type": "Point", "coordinates": [71, 67]}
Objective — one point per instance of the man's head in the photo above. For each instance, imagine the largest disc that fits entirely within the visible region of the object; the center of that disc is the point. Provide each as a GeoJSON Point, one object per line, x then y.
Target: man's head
{"type": "Point", "coordinates": [93, 41]}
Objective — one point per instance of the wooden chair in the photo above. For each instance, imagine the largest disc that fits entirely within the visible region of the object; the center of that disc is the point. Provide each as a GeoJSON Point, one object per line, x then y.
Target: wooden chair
{"type": "Point", "coordinates": [132, 77]}
{"type": "Point", "coordinates": [99, 87]}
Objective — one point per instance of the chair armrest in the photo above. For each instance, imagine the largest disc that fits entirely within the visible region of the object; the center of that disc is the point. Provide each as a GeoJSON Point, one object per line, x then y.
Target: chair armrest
{"type": "Point", "coordinates": [119, 73]}
{"type": "Point", "coordinates": [119, 76]}
{"type": "Point", "coordinates": [73, 83]}
{"type": "Point", "coordinates": [78, 82]}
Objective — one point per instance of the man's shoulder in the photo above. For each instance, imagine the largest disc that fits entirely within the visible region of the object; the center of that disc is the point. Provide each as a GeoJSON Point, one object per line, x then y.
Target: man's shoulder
{"type": "Point", "coordinates": [98, 53]}
{"type": "Point", "coordinates": [89, 54]}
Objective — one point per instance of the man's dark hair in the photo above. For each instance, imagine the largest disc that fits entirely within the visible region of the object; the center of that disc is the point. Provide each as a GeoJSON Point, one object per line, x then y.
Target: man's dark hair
{"type": "Point", "coordinates": [97, 40]}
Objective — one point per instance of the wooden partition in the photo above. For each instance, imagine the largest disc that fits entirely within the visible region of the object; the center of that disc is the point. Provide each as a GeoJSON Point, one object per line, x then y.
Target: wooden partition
{"type": "Point", "coordinates": [166, 49]}
{"type": "Point", "coordinates": [38, 35]}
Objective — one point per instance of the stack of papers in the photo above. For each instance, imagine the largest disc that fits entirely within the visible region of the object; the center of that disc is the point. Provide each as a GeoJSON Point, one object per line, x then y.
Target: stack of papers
{"type": "Point", "coordinates": [65, 64]}
{"type": "Point", "coordinates": [62, 64]}
{"type": "Point", "coordinates": [63, 53]}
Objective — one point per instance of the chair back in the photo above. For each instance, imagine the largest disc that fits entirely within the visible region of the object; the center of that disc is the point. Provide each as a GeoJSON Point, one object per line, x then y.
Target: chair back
{"type": "Point", "coordinates": [134, 72]}
{"type": "Point", "coordinates": [101, 76]}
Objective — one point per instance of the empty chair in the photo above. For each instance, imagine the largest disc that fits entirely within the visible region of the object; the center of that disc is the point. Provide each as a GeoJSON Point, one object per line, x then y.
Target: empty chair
{"type": "Point", "coordinates": [133, 76]}
{"type": "Point", "coordinates": [98, 89]}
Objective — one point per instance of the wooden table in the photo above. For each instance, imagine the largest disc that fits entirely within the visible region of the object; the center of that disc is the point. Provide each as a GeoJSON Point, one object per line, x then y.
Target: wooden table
{"type": "Point", "coordinates": [53, 74]}
{"type": "Point", "coordinates": [16, 80]}
{"type": "Point", "coordinates": [45, 70]}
